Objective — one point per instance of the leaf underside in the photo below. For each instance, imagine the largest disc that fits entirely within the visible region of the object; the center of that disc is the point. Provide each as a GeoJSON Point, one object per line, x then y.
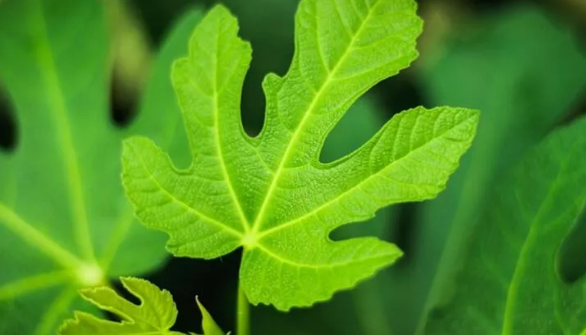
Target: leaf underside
{"type": "Point", "coordinates": [271, 194]}
{"type": "Point", "coordinates": [510, 282]}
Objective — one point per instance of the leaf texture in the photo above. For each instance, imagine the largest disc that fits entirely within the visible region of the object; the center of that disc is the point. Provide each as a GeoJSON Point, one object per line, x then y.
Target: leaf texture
{"type": "Point", "coordinates": [64, 220]}
{"type": "Point", "coordinates": [509, 282]}
{"type": "Point", "coordinates": [271, 194]}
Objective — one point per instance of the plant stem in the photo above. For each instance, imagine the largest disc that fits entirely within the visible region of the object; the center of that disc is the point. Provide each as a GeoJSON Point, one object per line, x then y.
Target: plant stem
{"type": "Point", "coordinates": [242, 313]}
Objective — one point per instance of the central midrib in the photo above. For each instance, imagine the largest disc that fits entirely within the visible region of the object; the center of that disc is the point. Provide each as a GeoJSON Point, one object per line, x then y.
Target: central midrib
{"type": "Point", "coordinates": [511, 299]}
{"type": "Point", "coordinates": [59, 110]}
{"type": "Point", "coordinates": [257, 225]}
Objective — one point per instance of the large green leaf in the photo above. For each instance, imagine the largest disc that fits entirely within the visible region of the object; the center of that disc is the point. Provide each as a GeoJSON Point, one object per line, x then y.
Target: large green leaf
{"type": "Point", "coordinates": [64, 220]}
{"type": "Point", "coordinates": [524, 71]}
{"type": "Point", "coordinates": [270, 194]}
{"type": "Point", "coordinates": [509, 282]}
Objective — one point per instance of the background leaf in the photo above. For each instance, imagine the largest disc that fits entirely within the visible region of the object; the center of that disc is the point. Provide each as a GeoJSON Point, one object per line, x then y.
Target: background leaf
{"type": "Point", "coordinates": [486, 68]}
{"type": "Point", "coordinates": [511, 263]}
{"type": "Point", "coordinates": [64, 221]}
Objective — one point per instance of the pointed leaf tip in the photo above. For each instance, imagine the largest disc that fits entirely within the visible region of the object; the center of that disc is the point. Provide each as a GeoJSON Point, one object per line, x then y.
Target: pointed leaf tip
{"type": "Point", "coordinates": [208, 324]}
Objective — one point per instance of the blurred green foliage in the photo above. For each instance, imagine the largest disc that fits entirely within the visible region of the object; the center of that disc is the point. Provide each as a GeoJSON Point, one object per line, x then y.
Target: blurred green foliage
{"type": "Point", "coordinates": [66, 223]}
{"type": "Point", "coordinates": [523, 68]}
{"type": "Point", "coordinates": [508, 280]}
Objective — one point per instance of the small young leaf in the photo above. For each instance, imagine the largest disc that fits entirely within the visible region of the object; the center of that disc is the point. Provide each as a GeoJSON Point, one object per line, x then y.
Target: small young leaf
{"type": "Point", "coordinates": [271, 194]}
{"type": "Point", "coordinates": [156, 313]}
{"type": "Point", "coordinates": [64, 220]}
{"type": "Point", "coordinates": [509, 283]}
